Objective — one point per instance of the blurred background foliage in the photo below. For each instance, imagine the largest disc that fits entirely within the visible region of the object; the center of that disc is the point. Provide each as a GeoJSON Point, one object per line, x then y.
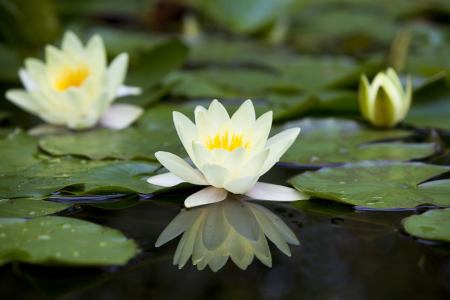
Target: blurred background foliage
{"type": "Point", "coordinates": [296, 57]}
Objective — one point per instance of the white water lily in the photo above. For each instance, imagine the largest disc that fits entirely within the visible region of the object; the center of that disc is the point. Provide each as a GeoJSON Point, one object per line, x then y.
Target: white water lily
{"type": "Point", "coordinates": [75, 88]}
{"type": "Point", "coordinates": [384, 103]}
{"type": "Point", "coordinates": [231, 228]}
{"type": "Point", "coordinates": [230, 154]}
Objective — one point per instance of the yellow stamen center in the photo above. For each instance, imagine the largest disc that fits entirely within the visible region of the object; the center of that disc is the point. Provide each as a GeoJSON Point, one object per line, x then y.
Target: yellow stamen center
{"type": "Point", "coordinates": [223, 143]}
{"type": "Point", "coordinates": [71, 77]}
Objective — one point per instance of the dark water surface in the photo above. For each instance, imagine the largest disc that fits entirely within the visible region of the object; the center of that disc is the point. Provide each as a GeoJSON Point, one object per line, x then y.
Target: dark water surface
{"type": "Point", "coordinates": [354, 255]}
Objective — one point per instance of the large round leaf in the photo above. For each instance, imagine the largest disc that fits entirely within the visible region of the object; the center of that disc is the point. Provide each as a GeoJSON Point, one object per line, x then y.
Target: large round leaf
{"type": "Point", "coordinates": [130, 143]}
{"type": "Point", "coordinates": [110, 177]}
{"type": "Point", "coordinates": [28, 208]}
{"type": "Point", "coordinates": [381, 185]}
{"type": "Point", "coordinates": [333, 141]}
{"type": "Point", "coordinates": [18, 151]}
{"type": "Point", "coordinates": [431, 225]}
{"type": "Point", "coordinates": [243, 16]}
{"type": "Point", "coordinates": [60, 240]}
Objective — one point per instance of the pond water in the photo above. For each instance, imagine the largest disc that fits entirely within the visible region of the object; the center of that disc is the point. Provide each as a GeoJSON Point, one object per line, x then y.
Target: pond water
{"type": "Point", "coordinates": [343, 254]}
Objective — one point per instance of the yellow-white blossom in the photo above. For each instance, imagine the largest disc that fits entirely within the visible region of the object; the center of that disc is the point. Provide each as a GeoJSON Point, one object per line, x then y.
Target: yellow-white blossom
{"type": "Point", "coordinates": [231, 228]}
{"type": "Point", "coordinates": [230, 155]}
{"type": "Point", "coordinates": [384, 103]}
{"type": "Point", "coordinates": [75, 87]}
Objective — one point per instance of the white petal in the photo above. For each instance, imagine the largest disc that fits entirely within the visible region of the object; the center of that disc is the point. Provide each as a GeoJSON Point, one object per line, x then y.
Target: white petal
{"type": "Point", "coordinates": [186, 130]}
{"type": "Point", "coordinates": [217, 113]}
{"type": "Point", "coordinates": [235, 160]}
{"type": "Point", "coordinates": [28, 82]}
{"type": "Point", "coordinates": [219, 155]}
{"type": "Point", "coordinates": [120, 116]}
{"type": "Point", "coordinates": [166, 180]}
{"type": "Point", "coordinates": [254, 165]}
{"type": "Point", "coordinates": [185, 121]}
{"type": "Point", "coordinates": [54, 58]}
{"type": "Point", "coordinates": [276, 151]}
{"type": "Point", "coordinates": [116, 74]}
{"type": "Point", "coordinates": [71, 41]}
{"type": "Point", "coordinates": [205, 124]}
{"type": "Point", "coordinates": [202, 154]}
{"type": "Point", "coordinates": [60, 118]}
{"type": "Point", "coordinates": [37, 70]}
{"type": "Point", "coordinates": [206, 196]}
{"type": "Point", "coordinates": [241, 185]}
{"type": "Point", "coordinates": [274, 192]}
{"type": "Point", "coordinates": [291, 133]}
{"type": "Point", "coordinates": [24, 100]}
{"type": "Point", "coordinates": [216, 175]}
{"type": "Point", "coordinates": [96, 53]}
{"type": "Point", "coordinates": [250, 109]}
{"type": "Point", "coordinates": [180, 168]}
{"type": "Point", "coordinates": [126, 90]}
{"type": "Point", "coordinates": [83, 123]}
{"type": "Point", "coordinates": [261, 132]}
{"type": "Point", "coordinates": [241, 119]}
{"type": "Point", "coordinates": [197, 109]}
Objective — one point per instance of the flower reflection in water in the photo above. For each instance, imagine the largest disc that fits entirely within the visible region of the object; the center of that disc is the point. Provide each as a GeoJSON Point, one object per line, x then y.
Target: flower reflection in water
{"type": "Point", "coordinates": [230, 228]}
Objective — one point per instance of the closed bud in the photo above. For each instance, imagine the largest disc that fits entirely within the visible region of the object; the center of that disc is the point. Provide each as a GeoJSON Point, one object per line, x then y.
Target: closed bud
{"type": "Point", "coordinates": [384, 103]}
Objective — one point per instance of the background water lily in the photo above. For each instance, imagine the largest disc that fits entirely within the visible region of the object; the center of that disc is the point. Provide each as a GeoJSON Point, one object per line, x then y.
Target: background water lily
{"type": "Point", "coordinates": [384, 103]}
{"type": "Point", "coordinates": [230, 154]}
{"type": "Point", "coordinates": [74, 87]}
{"type": "Point", "coordinates": [229, 229]}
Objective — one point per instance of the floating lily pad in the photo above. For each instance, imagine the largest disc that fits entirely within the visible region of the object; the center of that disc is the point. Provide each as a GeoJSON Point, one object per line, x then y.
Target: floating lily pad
{"type": "Point", "coordinates": [243, 17]}
{"type": "Point", "coordinates": [153, 66]}
{"type": "Point", "coordinates": [381, 185]}
{"type": "Point", "coordinates": [431, 225]}
{"type": "Point", "coordinates": [60, 240]}
{"type": "Point", "coordinates": [434, 113]}
{"type": "Point", "coordinates": [18, 151]}
{"type": "Point", "coordinates": [29, 208]}
{"type": "Point", "coordinates": [100, 177]}
{"type": "Point", "coordinates": [431, 104]}
{"type": "Point", "coordinates": [333, 141]}
{"type": "Point", "coordinates": [130, 143]}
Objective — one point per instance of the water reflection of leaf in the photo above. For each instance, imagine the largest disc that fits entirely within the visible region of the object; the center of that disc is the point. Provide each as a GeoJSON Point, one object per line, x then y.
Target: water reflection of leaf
{"type": "Point", "coordinates": [231, 228]}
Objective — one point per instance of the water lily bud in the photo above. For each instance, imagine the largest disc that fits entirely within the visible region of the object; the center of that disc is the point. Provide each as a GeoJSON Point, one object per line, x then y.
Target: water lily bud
{"type": "Point", "coordinates": [74, 87]}
{"type": "Point", "coordinates": [384, 103]}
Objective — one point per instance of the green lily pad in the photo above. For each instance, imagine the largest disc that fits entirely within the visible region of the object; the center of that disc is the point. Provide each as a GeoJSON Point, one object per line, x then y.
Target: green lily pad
{"type": "Point", "coordinates": [431, 225]}
{"type": "Point", "coordinates": [18, 151]}
{"type": "Point", "coordinates": [434, 115]}
{"type": "Point", "coordinates": [243, 16]}
{"type": "Point", "coordinates": [380, 185]}
{"type": "Point", "coordinates": [99, 177]}
{"type": "Point", "coordinates": [29, 208]}
{"type": "Point", "coordinates": [431, 104]}
{"type": "Point", "coordinates": [244, 52]}
{"type": "Point", "coordinates": [130, 143]}
{"type": "Point", "coordinates": [333, 141]}
{"type": "Point", "coordinates": [60, 240]}
{"type": "Point", "coordinates": [157, 63]}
